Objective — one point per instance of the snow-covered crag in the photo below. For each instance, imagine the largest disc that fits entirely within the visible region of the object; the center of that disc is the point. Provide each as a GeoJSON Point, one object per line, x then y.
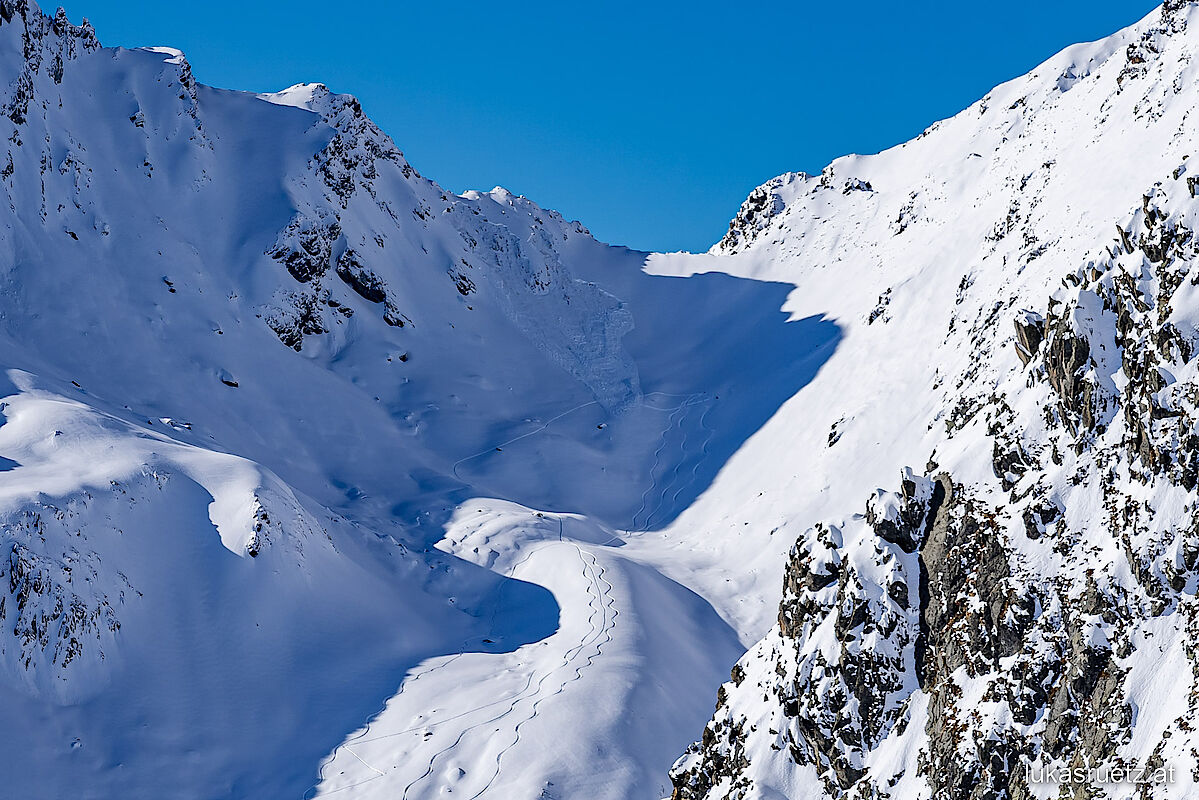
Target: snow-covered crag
{"type": "Point", "coordinates": [1023, 596]}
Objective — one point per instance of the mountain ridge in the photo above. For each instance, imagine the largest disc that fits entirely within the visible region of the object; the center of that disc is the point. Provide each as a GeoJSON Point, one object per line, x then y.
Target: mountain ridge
{"type": "Point", "coordinates": [998, 612]}
{"type": "Point", "coordinates": [295, 442]}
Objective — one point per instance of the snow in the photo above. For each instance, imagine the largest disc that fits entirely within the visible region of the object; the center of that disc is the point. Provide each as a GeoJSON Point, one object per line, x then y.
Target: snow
{"type": "Point", "coordinates": [281, 543]}
{"type": "Point", "coordinates": [504, 532]}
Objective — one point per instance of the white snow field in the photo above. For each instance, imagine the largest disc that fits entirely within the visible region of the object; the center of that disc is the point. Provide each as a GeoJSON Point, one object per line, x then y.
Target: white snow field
{"type": "Point", "coordinates": [319, 480]}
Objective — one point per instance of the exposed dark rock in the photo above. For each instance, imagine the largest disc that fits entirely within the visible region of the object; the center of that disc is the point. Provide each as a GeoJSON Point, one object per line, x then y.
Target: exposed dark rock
{"type": "Point", "coordinates": [1067, 358]}
{"type": "Point", "coordinates": [393, 317]}
{"type": "Point", "coordinates": [1030, 332]}
{"type": "Point", "coordinates": [763, 205]}
{"type": "Point", "coordinates": [362, 280]}
{"type": "Point", "coordinates": [305, 247]}
{"type": "Point", "coordinates": [463, 282]}
{"type": "Point", "coordinates": [300, 316]}
{"type": "Point", "coordinates": [45, 603]}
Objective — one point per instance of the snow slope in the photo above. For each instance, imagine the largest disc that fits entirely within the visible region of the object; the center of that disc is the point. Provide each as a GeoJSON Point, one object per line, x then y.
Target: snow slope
{"type": "Point", "coordinates": [1016, 294]}
{"type": "Point", "coordinates": [260, 374]}
{"type": "Point", "coordinates": [319, 480]}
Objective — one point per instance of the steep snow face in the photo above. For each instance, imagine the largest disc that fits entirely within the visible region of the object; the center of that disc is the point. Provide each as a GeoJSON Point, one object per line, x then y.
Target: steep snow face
{"type": "Point", "coordinates": [286, 432]}
{"type": "Point", "coordinates": [1016, 289]}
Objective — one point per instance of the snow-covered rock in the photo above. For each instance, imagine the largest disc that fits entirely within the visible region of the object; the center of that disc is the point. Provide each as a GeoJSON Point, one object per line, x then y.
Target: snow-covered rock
{"type": "Point", "coordinates": [1024, 274]}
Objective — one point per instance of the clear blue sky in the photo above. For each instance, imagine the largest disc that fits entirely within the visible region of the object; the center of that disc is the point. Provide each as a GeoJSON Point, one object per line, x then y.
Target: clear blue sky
{"type": "Point", "coordinates": [649, 122]}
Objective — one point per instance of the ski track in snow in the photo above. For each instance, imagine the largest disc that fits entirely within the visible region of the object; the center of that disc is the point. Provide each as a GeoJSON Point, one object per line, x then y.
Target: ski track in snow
{"type": "Point", "coordinates": [703, 455]}
{"type": "Point", "coordinates": [675, 471]}
{"type": "Point", "coordinates": [600, 602]}
{"type": "Point", "coordinates": [606, 605]}
{"type": "Point", "coordinates": [364, 737]}
{"type": "Point", "coordinates": [864, 316]}
{"type": "Point", "coordinates": [515, 439]}
{"type": "Point", "coordinates": [651, 490]}
{"type": "Point", "coordinates": [576, 659]}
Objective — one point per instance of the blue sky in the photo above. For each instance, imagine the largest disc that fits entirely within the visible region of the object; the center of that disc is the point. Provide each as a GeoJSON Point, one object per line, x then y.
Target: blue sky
{"type": "Point", "coordinates": [649, 122]}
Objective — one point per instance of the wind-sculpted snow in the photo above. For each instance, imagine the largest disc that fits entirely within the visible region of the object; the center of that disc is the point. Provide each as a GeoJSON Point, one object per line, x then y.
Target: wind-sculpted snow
{"type": "Point", "coordinates": [158, 595]}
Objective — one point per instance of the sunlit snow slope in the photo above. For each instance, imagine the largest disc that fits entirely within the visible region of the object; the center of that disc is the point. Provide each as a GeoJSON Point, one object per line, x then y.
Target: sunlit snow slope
{"type": "Point", "coordinates": [314, 475]}
{"type": "Point", "coordinates": [993, 479]}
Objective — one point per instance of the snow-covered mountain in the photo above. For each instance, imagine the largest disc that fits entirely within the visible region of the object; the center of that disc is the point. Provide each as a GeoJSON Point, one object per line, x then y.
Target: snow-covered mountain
{"type": "Point", "coordinates": [1017, 291]}
{"type": "Point", "coordinates": [296, 442]}
{"type": "Point", "coordinates": [319, 480]}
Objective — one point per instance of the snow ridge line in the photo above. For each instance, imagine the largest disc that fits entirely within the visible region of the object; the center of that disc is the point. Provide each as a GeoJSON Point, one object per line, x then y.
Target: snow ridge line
{"type": "Point", "coordinates": [607, 623]}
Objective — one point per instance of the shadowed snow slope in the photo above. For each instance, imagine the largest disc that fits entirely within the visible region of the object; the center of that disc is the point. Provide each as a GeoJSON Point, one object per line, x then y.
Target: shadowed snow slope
{"type": "Point", "coordinates": [262, 377]}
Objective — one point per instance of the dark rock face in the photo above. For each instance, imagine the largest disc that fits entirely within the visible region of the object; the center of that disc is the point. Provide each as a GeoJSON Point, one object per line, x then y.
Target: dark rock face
{"type": "Point", "coordinates": [300, 315]}
{"type": "Point", "coordinates": [314, 242]}
{"type": "Point", "coordinates": [1067, 360]}
{"type": "Point", "coordinates": [462, 282]}
{"type": "Point", "coordinates": [976, 619]}
{"type": "Point", "coordinates": [49, 44]}
{"type": "Point", "coordinates": [971, 616]}
{"type": "Point", "coordinates": [904, 529]}
{"type": "Point", "coordinates": [1030, 332]}
{"type": "Point", "coordinates": [1159, 416]}
{"type": "Point", "coordinates": [350, 163]}
{"type": "Point", "coordinates": [47, 617]}
{"type": "Point", "coordinates": [838, 703]}
{"type": "Point", "coordinates": [306, 248]}
{"type": "Point", "coordinates": [763, 204]}
{"type": "Point", "coordinates": [366, 283]}
{"type": "Point", "coordinates": [54, 619]}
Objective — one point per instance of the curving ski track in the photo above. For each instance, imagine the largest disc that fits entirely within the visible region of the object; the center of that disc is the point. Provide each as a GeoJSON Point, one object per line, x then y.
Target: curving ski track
{"type": "Point", "coordinates": [690, 401]}
{"type": "Point", "coordinates": [600, 602]}
{"type": "Point", "coordinates": [362, 737]}
{"type": "Point", "coordinates": [513, 440]}
{"type": "Point", "coordinates": [576, 659]}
